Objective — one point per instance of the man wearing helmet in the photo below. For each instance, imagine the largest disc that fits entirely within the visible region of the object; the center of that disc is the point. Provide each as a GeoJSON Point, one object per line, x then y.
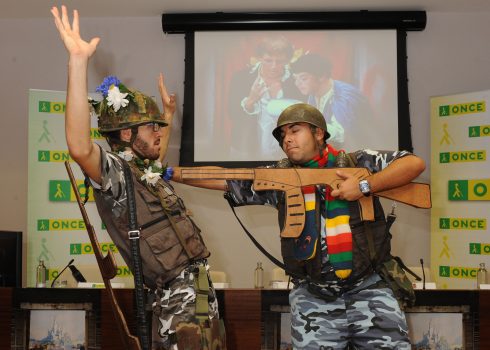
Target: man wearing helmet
{"type": "Point", "coordinates": [173, 253]}
{"type": "Point", "coordinates": [339, 299]}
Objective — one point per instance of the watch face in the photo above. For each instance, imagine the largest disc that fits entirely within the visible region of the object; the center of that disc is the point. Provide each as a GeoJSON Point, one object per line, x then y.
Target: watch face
{"type": "Point", "coordinates": [364, 187]}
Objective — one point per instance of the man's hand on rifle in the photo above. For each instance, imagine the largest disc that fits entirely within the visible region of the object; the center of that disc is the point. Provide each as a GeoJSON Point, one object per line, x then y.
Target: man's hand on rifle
{"type": "Point", "coordinates": [347, 189]}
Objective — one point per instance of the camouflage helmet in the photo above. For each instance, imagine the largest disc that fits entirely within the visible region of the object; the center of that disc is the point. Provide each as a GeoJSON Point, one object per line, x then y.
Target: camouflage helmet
{"type": "Point", "coordinates": [123, 107]}
{"type": "Point", "coordinates": [300, 113]}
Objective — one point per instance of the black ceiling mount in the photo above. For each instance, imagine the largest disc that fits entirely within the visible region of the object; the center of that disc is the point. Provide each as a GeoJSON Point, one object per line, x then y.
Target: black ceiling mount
{"type": "Point", "coordinates": [189, 22]}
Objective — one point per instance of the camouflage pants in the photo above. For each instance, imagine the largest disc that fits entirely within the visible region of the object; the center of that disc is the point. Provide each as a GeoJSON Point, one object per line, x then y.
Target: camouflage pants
{"type": "Point", "coordinates": [367, 317]}
{"type": "Point", "coordinates": [176, 305]}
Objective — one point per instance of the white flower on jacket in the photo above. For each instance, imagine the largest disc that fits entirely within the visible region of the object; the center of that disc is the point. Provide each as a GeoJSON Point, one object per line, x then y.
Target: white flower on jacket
{"type": "Point", "coordinates": [150, 177]}
{"type": "Point", "coordinates": [126, 155]}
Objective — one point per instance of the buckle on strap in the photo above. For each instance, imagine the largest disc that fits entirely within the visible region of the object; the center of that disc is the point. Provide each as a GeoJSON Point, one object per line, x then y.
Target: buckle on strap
{"type": "Point", "coordinates": [134, 234]}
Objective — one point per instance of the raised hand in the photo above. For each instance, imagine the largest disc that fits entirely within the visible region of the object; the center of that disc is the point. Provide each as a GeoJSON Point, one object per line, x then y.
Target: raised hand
{"type": "Point", "coordinates": [70, 34]}
{"type": "Point", "coordinates": [169, 104]}
{"type": "Point", "coordinates": [168, 101]}
{"type": "Point", "coordinates": [257, 90]}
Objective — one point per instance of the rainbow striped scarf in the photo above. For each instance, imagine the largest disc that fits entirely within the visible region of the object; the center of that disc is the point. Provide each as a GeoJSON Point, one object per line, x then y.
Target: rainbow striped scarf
{"type": "Point", "coordinates": [337, 228]}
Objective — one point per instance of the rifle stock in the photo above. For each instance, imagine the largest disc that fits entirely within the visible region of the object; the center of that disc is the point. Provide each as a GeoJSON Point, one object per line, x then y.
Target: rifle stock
{"type": "Point", "coordinates": [290, 181]}
{"type": "Point", "coordinates": [108, 270]}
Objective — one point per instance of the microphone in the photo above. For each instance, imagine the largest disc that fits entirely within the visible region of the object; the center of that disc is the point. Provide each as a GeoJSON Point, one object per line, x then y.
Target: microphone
{"type": "Point", "coordinates": [77, 275]}
{"type": "Point", "coordinates": [423, 273]}
{"type": "Point", "coordinates": [71, 262]}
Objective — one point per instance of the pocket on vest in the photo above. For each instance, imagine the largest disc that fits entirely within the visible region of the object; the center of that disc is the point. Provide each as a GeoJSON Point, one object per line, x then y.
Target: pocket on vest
{"type": "Point", "coordinates": [162, 246]}
{"type": "Point", "coordinates": [361, 246]}
{"type": "Point", "coordinates": [153, 202]}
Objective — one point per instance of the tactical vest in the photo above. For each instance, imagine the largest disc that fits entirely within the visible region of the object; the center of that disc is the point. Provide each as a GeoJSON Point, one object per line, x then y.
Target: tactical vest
{"type": "Point", "coordinates": [371, 243]}
{"type": "Point", "coordinates": [364, 234]}
{"type": "Point", "coordinates": [163, 256]}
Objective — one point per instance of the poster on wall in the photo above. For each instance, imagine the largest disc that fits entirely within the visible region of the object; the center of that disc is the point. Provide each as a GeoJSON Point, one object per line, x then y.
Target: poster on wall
{"type": "Point", "coordinates": [460, 183]}
{"type": "Point", "coordinates": [56, 232]}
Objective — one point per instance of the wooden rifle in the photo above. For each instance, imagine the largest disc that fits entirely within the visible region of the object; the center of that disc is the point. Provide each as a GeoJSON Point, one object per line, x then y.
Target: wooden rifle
{"type": "Point", "coordinates": [108, 270]}
{"type": "Point", "coordinates": [291, 180]}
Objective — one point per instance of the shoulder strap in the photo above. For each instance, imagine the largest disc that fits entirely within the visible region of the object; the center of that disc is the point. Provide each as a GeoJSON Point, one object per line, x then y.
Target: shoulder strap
{"type": "Point", "coordinates": [168, 214]}
{"type": "Point", "coordinates": [275, 261]}
{"type": "Point", "coordinates": [134, 235]}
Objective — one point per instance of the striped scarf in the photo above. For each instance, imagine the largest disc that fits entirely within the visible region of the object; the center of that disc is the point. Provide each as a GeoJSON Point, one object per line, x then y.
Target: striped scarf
{"type": "Point", "coordinates": [337, 228]}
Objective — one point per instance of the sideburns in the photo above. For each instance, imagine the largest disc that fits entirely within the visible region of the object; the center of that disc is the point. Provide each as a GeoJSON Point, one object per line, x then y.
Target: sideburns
{"type": "Point", "coordinates": [313, 132]}
{"type": "Point", "coordinates": [142, 145]}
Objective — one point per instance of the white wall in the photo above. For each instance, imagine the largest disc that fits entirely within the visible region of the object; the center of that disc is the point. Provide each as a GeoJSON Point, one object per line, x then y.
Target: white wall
{"type": "Point", "coordinates": [450, 56]}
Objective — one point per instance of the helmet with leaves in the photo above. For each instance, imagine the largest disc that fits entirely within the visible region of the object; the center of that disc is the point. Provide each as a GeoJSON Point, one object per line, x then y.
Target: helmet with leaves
{"type": "Point", "coordinates": [300, 113]}
{"type": "Point", "coordinates": [123, 107]}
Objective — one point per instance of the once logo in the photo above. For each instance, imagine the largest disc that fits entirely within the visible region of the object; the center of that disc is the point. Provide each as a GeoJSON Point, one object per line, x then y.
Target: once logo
{"type": "Point", "coordinates": [457, 272]}
{"type": "Point", "coordinates": [51, 107]}
{"type": "Point", "coordinates": [462, 224]}
{"type": "Point", "coordinates": [463, 156]}
{"type": "Point", "coordinates": [469, 190]}
{"type": "Point", "coordinates": [479, 131]}
{"type": "Point", "coordinates": [462, 108]}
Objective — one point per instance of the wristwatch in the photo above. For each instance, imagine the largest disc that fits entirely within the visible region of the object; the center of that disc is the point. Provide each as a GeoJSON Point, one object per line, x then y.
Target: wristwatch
{"type": "Point", "coordinates": [365, 188]}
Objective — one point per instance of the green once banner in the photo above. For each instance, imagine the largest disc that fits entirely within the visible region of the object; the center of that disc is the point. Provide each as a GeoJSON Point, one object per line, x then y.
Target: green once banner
{"type": "Point", "coordinates": [460, 185]}
{"type": "Point", "coordinates": [55, 228]}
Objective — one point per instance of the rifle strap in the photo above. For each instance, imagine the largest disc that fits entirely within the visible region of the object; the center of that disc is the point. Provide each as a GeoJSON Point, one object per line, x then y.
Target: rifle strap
{"type": "Point", "coordinates": [373, 255]}
{"type": "Point", "coordinates": [201, 285]}
{"type": "Point", "coordinates": [134, 239]}
{"type": "Point", "coordinates": [275, 261]}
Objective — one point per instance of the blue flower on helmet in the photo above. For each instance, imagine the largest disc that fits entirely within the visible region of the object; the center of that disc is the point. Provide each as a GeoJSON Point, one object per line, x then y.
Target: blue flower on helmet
{"type": "Point", "coordinates": [106, 85]}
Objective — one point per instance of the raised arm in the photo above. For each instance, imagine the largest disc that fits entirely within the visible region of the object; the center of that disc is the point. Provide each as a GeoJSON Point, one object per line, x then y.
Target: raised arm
{"type": "Point", "coordinates": [77, 114]}
{"type": "Point", "coordinates": [169, 106]}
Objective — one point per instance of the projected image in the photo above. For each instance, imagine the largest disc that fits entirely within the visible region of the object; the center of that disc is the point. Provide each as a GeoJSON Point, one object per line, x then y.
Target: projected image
{"type": "Point", "coordinates": [244, 80]}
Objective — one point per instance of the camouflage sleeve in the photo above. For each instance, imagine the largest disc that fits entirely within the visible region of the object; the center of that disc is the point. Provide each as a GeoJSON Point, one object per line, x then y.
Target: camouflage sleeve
{"type": "Point", "coordinates": [112, 176]}
{"type": "Point", "coordinates": [376, 161]}
{"type": "Point", "coordinates": [243, 193]}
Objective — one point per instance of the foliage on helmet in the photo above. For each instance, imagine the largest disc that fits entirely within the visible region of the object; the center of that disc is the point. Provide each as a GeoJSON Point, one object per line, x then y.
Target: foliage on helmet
{"type": "Point", "coordinates": [123, 107]}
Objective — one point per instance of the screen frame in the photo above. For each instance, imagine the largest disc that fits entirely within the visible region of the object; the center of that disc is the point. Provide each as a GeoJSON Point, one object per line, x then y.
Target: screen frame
{"type": "Point", "coordinates": [401, 21]}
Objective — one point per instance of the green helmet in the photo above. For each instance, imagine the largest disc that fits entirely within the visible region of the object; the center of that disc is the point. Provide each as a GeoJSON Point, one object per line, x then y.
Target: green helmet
{"type": "Point", "coordinates": [300, 113]}
{"type": "Point", "coordinates": [123, 107]}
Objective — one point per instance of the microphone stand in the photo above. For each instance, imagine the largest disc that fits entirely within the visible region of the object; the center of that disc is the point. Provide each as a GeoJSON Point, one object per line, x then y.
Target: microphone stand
{"type": "Point", "coordinates": [71, 262]}
{"type": "Point", "coordinates": [423, 273]}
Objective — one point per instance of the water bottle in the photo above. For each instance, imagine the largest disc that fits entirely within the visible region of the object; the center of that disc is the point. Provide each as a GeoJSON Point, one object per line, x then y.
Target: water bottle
{"type": "Point", "coordinates": [259, 276]}
{"type": "Point", "coordinates": [41, 275]}
{"type": "Point", "coordinates": [481, 275]}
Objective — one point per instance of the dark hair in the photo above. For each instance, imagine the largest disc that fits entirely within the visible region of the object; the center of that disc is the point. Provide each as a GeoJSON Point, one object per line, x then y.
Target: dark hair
{"type": "Point", "coordinates": [113, 138]}
{"type": "Point", "coordinates": [275, 44]}
{"type": "Point", "coordinates": [314, 64]}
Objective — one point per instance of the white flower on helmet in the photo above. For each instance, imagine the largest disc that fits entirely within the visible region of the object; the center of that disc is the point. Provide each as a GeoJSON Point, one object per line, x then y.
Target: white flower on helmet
{"type": "Point", "coordinates": [116, 98]}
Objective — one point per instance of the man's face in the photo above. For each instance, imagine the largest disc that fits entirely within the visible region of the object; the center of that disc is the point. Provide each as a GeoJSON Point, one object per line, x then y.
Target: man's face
{"type": "Point", "coordinates": [147, 142]}
{"type": "Point", "coordinates": [306, 83]}
{"type": "Point", "coordinates": [273, 65]}
{"type": "Point", "coordinates": [299, 142]}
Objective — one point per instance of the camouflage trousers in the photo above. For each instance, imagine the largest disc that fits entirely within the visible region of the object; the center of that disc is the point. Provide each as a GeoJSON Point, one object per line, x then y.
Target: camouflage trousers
{"type": "Point", "coordinates": [366, 317]}
{"type": "Point", "coordinates": [176, 305]}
